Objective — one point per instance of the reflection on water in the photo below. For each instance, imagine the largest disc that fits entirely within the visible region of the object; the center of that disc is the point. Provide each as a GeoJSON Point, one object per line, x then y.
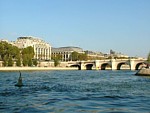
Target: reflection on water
{"type": "Point", "coordinates": [75, 91]}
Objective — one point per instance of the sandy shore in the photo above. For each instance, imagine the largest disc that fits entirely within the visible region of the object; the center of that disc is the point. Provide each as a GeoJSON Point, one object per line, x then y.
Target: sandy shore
{"type": "Point", "coordinates": [35, 68]}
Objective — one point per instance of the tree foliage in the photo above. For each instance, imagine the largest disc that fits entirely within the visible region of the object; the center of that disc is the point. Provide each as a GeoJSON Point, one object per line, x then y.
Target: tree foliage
{"type": "Point", "coordinates": [8, 50]}
{"type": "Point", "coordinates": [28, 51]}
{"type": "Point", "coordinates": [30, 62]}
{"type": "Point", "coordinates": [56, 59]}
{"type": "Point", "coordinates": [35, 62]}
{"type": "Point", "coordinates": [78, 56]}
{"type": "Point", "coordinates": [82, 56]}
{"type": "Point", "coordinates": [27, 56]}
{"type": "Point", "coordinates": [10, 53]}
{"type": "Point", "coordinates": [5, 61]}
{"type": "Point", "coordinates": [74, 56]}
{"type": "Point", "coordinates": [18, 62]}
{"type": "Point", "coordinates": [10, 61]}
{"type": "Point", "coordinates": [24, 61]}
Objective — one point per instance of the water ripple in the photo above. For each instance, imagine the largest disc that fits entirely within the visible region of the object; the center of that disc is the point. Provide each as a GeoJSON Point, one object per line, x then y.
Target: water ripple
{"type": "Point", "coordinates": [75, 91]}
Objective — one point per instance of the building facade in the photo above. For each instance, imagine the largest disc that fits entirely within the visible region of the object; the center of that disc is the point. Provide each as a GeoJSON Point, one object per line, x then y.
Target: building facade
{"type": "Point", "coordinates": [65, 52]}
{"type": "Point", "coordinates": [42, 50]}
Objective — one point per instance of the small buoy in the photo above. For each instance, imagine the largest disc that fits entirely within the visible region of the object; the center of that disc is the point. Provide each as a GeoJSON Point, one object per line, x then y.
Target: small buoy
{"type": "Point", "coordinates": [19, 84]}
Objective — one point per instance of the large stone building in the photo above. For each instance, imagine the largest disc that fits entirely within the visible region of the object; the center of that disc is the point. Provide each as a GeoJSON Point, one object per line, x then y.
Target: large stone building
{"type": "Point", "coordinates": [42, 49]}
{"type": "Point", "coordinates": [65, 52]}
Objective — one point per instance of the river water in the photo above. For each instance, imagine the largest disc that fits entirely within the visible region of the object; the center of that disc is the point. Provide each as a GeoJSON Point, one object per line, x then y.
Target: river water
{"type": "Point", "coordinates": [75, 91]}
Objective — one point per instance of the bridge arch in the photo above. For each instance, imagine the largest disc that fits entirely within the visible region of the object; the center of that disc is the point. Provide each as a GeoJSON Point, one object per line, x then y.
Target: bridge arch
{"type": "Point", "coordinates": [89, 66]}
{"type": "Point", "coordinates": [75, 65]}
{"type": "Point", "coordinates": [139, 65]}
{"type": "Point", "coordinates": [104, 66]}
{"type": "Point", "coordinates": [119, 65]}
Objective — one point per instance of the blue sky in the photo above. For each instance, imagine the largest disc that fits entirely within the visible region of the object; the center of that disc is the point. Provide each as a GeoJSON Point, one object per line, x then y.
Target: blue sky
{"type": "Point", "coordinates": [97, 25]}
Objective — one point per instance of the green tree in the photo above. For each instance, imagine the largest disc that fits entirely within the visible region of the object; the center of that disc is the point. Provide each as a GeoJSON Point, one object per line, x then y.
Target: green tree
{"type": "Point", "coordinates": [74, 56]}
{"type": "Point", "coordinates": [10, 61]}
{"type": "Point", "coordinates": [27, 56]}
{"type": "Point", "coordinates": [78, 56]}
{"type": "Point", "coordinates": [15, 52]}
{"type": "Point", "coordinates": [3, 49]}
{"type": "Point", "coordinates": [5, 61]}
{"type": "Point", "coordinates": [18, 62]}
{"type": "Point", "coordinates": [82, 56]}
{"type": "Point", "coordinates": [56, 60]}
{"type": "Point", "coordinates": [29, 62]}
{"type": "Point", "coordinates": [35, 62]}
{"type": "Point", "coordinates": [8, 51]}
{"type": "Point", "coordinates": [29, 51]}
{"type": "Point", "coordinates": [25, 61]}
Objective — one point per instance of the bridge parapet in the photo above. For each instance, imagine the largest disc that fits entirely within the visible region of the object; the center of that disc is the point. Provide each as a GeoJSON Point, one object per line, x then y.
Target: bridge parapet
{"type": "Point", "coordinates": [114, 64]}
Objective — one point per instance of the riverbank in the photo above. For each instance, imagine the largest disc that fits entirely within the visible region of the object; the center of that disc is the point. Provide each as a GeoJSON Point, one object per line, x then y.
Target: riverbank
{"type": "Point", "coordinates": [35, 68]}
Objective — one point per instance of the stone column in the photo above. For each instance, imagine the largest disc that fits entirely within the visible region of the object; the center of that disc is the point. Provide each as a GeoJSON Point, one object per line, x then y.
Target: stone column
{"type": "Point", "coordinates": [45, 54]}
{"type": "Point", "coordinates": [39, 53]}
{"type": "Point", "coordinates": [36, 52]}
{"type": "Point", "coordinates": [42, 53]}
{"type": "Point", "coordinates": [65, 56]}
{"type": "Point", "coordinates": [82, 66]}
{"type": "Point", "coordinates": [97, 64]}
{"type": "Point", "coordinates": [113, 64]}
{"type": "Point", "coordinates": [49, 53]}
{"type": "Point", "coordinates": [132, 64]}
{"type": "Point", "coordinates": [69, 57]}
{"type": "Point", "coordinates": [35, 55]}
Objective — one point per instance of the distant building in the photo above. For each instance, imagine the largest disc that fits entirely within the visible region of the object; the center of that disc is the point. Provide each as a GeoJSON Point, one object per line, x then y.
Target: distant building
{"type": "Point", "coordinates": [117, 55]}
{"type": "Point", "coordinates": [94, 55]}
{"type": "Point", "coordinates": [42, 49]}
{"type": "Point", "coordinates": [65, 52]}
{"type": "Point", "coordinates": [4, 40]}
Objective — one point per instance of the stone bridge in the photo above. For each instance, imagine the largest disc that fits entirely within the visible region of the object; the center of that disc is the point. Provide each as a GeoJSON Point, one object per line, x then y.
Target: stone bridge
{"type": "Point", "coordinates": [113, 64]}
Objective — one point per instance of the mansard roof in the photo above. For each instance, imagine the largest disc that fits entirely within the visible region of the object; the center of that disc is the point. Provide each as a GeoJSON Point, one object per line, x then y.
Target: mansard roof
{"type": "Point", "coordinates": [67, 49]}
